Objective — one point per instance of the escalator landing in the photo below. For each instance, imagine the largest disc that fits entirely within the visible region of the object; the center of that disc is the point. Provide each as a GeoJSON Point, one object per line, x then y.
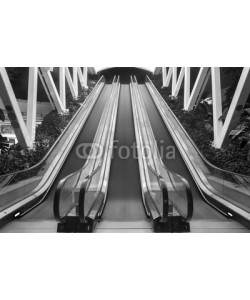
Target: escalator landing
{"type": "Point", "coordinates": [141, 226]}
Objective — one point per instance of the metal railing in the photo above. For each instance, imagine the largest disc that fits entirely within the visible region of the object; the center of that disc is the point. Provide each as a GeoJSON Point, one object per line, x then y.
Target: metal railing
{"type": "Point", "coordinates": [174, 189]}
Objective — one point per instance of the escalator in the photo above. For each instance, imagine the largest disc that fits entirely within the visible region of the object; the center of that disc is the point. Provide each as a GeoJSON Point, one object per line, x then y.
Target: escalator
{"type": "Point", "coordinates": [119, 189]}
{"type": "Point", "coordinates": [41, 218]}
{"type": "Point", "coordinates": [124, 207]}
{"type": "Point", "coordinates": [126, 182]}
{"type": "Point", "coordinates": [108, 196]}
{"type": "Point", "coordinates": [205, 217]}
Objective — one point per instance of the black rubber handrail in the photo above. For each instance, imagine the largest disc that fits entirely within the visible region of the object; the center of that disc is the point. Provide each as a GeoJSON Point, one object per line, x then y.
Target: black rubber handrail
{"type": "Point", "coordinates": [136, 120]}
{"type": "Point", "coordinates": [164, 191]}
{"type": "Point", "coordinates": [84, 186]}
{"type": "Point", "coordinates": [189, 196]}
{"type": "Point", "coordinates": [82, 194]}
{"type": "Point", "coordinates": [184, 181]}
{"type": "Point", "coordinates": [58, 192]}
{"type": "Point", "coordinates": [160, 180]}
{"type": "Point", "coordinates": [162, 184]}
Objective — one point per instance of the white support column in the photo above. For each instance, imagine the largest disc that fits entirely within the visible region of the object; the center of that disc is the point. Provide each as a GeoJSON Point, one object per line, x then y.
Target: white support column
{"type": "Point", "coordinates": [52, 89]}
{"type": "Point", "coordinates": [45, 88]}
{"type": "Point", "coordinates": [197, 88]}
{"type": "Point", "coordinates": [237, 105]}
{"type": "Point", "coordinates": [217, 104]}
{"type": "Point", "coordinates": [81, 78]}
{"type": "Point", "coordinates": [164, 76]}
{"type": "Point", "coordinates": [62, 86]}
{"type": "Point", "coordinates": [70, 82]}
{"type": "Point", "coordinates": [179, 82]}
{"type": "Point", "coordinates": [32, 102]}
{"type": "Point", "coordinates": [75, 81]}
{"type": "Point", "coordinates": [186, 87]}
{"type": "Point", "coordinates": [168, 78]}
{"type": "Point", "coordinates": [11, 105]}
{"type": "Point", "coordinates": [85, 77]}
{"type": "Point", "coordinates": [174, 79]}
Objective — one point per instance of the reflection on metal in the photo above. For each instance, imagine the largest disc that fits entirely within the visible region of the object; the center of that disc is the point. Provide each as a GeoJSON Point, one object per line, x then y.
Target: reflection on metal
{"type": "Point", "coordinates": [25, 133]}
{"type": "Point", "coordinates": [192, 98]}
{"type": "Point", "coordinates": [166, 76]}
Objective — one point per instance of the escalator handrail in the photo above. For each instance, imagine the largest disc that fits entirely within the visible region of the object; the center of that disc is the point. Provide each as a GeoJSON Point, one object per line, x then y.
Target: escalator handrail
{"type": "Point", "coordinates": [138, 133]}
{"type": "Point", "coordinates": [184, 181]}
{"type": "Point", "coordinates": [164, 191]}
{"type": "Point", "coordinates": [84, 185]}
{"type": "Point", "coordinates": [58, 192]}
{"type": "Point", "coordinates": [163, 185]}
{"type": "Point", "coordinates": [161, 181]}
{"type": "Point", "coordinates": [196, 148]}
{"type": "Point", "coordinates": [61, 184]}
{"type": "Point", "coordinates": [189, 195]}
{"type": "Point", "coordinates": [82, 193]}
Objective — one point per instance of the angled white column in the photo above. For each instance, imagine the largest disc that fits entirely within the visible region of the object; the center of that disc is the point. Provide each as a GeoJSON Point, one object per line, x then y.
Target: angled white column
{"type": "Point", "coordinates": [217, 104]}
{"type": "Point", "coordinates": [70, 83]}
{"type": "Point", "coordinates": [174, 79]}
{"type": "Point", "coordinates": [85, 77]}
{"type": "Point", "coordinates": [52, 89]}
{"type": "Point", "coordinates": [46, 88]}
{"type": "Point", "coordinates": [164, 76]}
{"type": "Point", "coordinates": [11, 105]}
{"type": "Point", "coordinates": [62, 86]}
{"type": "Point", "coordinates": [179, 82]}
{"type": "Point", "coordinates": [32, 102]}
{"type": "Point", "coordinates": [197, 88]}
{"type": "Point", "coordinates": [82, 78]}
{"type": "Point", "coordinates": [186, 87]}
{"type": "Point", "coordinates": [169, 76]}
{"type": "Point", "coordinates": [75, 81]}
